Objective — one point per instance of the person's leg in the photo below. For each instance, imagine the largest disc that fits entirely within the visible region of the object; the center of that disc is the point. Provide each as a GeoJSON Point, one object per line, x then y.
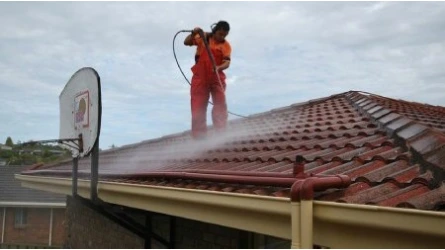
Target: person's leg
{"type": "Point", "coordinates": [219, 111]}
{"type": "Point", "coordinates": [199, 99]}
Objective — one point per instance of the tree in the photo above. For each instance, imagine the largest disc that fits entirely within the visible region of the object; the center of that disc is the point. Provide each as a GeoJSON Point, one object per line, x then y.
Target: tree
{"type": "Point", "coordinates": [9, 142]}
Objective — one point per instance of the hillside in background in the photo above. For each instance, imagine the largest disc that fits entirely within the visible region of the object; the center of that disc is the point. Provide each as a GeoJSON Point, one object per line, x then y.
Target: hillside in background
{"type": "Point", "coordinates": [28, 154]}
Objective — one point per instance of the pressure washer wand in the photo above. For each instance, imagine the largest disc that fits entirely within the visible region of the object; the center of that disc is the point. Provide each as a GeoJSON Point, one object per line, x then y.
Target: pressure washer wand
{"type": "Point", "coordinates": [201, 34]}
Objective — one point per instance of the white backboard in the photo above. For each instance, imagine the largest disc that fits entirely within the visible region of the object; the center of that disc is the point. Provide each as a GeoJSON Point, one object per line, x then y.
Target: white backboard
{"type": "Point", "coordinates": [81, 109]}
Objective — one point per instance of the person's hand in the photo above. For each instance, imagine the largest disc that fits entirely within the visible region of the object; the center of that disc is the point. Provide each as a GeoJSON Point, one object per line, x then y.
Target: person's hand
{"type": "Point", "coordinates": [196, 30]}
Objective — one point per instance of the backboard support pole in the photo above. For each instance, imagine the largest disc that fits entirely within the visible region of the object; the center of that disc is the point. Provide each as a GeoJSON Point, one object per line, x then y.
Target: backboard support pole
{"type": "Point", "coordinates": [94, 171]}
{"type": "Point", "coordinates": [75, 169]}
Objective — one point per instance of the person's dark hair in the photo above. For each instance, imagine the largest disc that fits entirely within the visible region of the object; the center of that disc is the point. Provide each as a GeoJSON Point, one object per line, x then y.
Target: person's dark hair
{"type": "Point", "coordinates": [221, 25]}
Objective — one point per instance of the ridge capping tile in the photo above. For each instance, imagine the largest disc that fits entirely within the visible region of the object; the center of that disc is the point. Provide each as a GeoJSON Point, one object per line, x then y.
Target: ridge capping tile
{"type": "Point", "coordinates": [374, 109]}
{"type": "Point", "coordinates": [361, 100]}
{"type": "Point", "coordinates": [357, 97]}
{"type": "Point", "coordinates": [361, 105]}
{"type": "Point", "coordinates": [388, 118]}
{"type": "Point", "coordinates": [410, 131]}
{"type": "Point", "coordinates": [397, 124]}
{"type": "Point", "coordinates": [428, 143]}
{"type": "Point", "coordinates": [381, 113]}
{"type": "Point", "coordinates": [370, 106]}
{"type": "Point", "coordinates": [350, 94]}
{"type": "Point", "coordinates": [438, 157]}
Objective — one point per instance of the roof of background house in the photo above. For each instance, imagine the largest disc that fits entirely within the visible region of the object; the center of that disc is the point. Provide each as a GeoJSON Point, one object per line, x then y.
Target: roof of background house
{"type": "Point", "coordinates": [12, 191]}
{"type": "Point", "coordinates": [393, 151]}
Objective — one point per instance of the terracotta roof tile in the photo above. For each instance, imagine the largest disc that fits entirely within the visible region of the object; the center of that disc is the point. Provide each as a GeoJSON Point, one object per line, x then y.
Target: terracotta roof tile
{"type": "Point", "coordinates": [429, 200]}
{"type": "Point", "coordinates": [367, 196]}
{"type": "Point", "coordinates": [393, 151]}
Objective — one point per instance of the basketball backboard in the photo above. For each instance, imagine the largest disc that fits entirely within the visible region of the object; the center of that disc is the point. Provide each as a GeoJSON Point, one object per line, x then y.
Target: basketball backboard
{"type": "Point", "coordinates": [81, 110]}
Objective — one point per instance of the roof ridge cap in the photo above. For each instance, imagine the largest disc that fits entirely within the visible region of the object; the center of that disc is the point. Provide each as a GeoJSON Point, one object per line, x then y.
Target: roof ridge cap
{"type": "Point", "coordinates": [299, 104]}
{"type": "Point", "coordinates": [427, 144]}
{"type": "Point", "coordinates": [424, 105]}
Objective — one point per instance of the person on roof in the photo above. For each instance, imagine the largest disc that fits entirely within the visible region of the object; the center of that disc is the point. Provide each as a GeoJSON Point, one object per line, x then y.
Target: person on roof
{"type": "Point", "coordinates": [205, 79]}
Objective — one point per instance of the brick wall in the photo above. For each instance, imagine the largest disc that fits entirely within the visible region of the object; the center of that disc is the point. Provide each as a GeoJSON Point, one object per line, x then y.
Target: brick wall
{"type": "Point", "coordinates": [88, 229]}
{"type": "Point", "coordinates": [37, 228]}
{"type": "Point", "coordinates": [59, 227]}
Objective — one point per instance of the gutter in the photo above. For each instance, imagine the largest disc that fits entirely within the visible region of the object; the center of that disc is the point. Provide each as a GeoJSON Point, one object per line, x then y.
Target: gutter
{"type": "Point", "coordinates": [242, 211]}
{"type": "Point", "coordinates": [335, 225]}
{"type": "Point", "coordinates": [32, 204]}
{"type": "Point", "coordinates": [342, 225]}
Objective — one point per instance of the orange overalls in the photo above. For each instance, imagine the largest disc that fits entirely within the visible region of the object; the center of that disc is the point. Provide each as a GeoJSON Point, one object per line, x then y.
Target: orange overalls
{"type": "Point", "coordinates": [205, 83]}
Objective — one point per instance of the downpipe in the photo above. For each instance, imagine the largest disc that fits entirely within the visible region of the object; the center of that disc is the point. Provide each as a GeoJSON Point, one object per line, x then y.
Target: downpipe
{"type": "Point", "coordinates": [302, 193]}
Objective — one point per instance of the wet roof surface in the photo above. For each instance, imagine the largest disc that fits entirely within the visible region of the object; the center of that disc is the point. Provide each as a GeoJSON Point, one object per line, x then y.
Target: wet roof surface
{"type": "Point", "coordinates": [393, 151]}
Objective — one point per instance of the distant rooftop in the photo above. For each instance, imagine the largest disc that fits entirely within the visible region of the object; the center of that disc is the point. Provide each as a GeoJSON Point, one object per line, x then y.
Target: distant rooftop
{"type": "Point", "coordinates": [12, 191]}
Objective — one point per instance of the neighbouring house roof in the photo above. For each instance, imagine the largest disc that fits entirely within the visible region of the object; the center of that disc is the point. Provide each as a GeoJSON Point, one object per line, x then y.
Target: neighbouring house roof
{"type": "Point", "coordinates": [393, 151]}
{"type": "Point", "coordinates": [11, 191]}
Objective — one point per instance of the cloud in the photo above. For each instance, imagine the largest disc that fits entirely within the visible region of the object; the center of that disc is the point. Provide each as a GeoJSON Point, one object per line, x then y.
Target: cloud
{"type": "Point", "coordinates": [283, 53]}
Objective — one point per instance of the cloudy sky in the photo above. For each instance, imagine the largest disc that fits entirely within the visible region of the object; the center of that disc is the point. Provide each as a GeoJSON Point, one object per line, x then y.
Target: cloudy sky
{"type": "Point", "coordinates": [283, 53]}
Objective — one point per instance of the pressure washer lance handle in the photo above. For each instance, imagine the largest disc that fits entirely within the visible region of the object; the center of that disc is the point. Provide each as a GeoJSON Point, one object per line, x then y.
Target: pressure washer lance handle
{"type": "Point", "coordinates": [201, 34]}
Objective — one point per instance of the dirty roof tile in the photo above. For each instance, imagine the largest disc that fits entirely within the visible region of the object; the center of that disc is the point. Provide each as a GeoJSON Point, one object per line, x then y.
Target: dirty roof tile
{"type": "Point", "coordinates": [429, 200]}
{"type": "Point", "coordinates": [393, 151]}
{"type": "Point", "coordinates": [394, 198]}
{"type": "Point", "coordinates": [428, 143]}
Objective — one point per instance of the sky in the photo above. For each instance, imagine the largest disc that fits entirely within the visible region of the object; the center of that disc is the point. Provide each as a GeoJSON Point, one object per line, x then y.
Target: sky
{"type": "Point", "coordinates": [282, 53]}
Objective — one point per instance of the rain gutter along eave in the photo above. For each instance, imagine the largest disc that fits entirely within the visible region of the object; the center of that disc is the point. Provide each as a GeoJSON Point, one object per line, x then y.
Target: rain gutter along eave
{"type": "Point", "coordinates": [335, 225]}
{"type": "Point", "coordinates": [32, 204]}
{"type": "Point", "coordinates": [234, 210]}
{"type": "Point", "coordinates": [341, 225]}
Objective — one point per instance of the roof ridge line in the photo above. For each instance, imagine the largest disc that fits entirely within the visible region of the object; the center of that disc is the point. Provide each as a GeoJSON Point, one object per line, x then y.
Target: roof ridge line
{"type": "Point", "coordinates": [424, 105]}
{"type": "Point", "coordinates": [426, 144]}
{"type": "Point", "coordinates": [298, 104]}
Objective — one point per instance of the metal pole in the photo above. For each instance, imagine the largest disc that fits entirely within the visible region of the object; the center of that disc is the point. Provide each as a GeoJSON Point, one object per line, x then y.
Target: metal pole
{"type": "Point", "coordinates": [3, 225]}
{"type": "Point", "coordinates": [75, 170]}
{"type": "Point", "coordinates": [94, 171]}
{"type": "Point", "coordinates": [50, 227]}
{"type": "Point", "coordinates": [172, 232]}
{"type": "Point", "coordinates": [148, 226]}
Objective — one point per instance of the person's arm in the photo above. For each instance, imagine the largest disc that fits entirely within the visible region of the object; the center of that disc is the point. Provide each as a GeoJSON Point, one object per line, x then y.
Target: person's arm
{"type": "Point", "coordinates": [189, 39]}
{"type": "Point", "coordinates": [224, 65]}
{"type": "Point", "coordinates": [227, 51]}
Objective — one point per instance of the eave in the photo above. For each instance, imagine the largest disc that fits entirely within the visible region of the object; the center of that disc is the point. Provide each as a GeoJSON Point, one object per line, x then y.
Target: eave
{"type": "Point", "coordinates": [336, 225]}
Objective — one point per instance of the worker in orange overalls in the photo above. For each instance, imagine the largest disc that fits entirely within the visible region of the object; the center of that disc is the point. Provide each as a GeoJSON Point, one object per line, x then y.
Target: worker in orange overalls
{"type": "Point", "coordinates": [205, 81]}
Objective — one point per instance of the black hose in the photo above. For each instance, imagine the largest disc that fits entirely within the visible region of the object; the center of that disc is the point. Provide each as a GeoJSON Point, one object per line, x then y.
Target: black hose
{"type": "Point", "coordinates": [180, 69]}
{"type": "Point", "coordinates": [176, 59]}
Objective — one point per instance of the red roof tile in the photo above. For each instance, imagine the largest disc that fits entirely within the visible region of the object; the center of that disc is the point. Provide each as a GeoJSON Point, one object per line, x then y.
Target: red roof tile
{"type": "Point", "coordinates": [393, 151]}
